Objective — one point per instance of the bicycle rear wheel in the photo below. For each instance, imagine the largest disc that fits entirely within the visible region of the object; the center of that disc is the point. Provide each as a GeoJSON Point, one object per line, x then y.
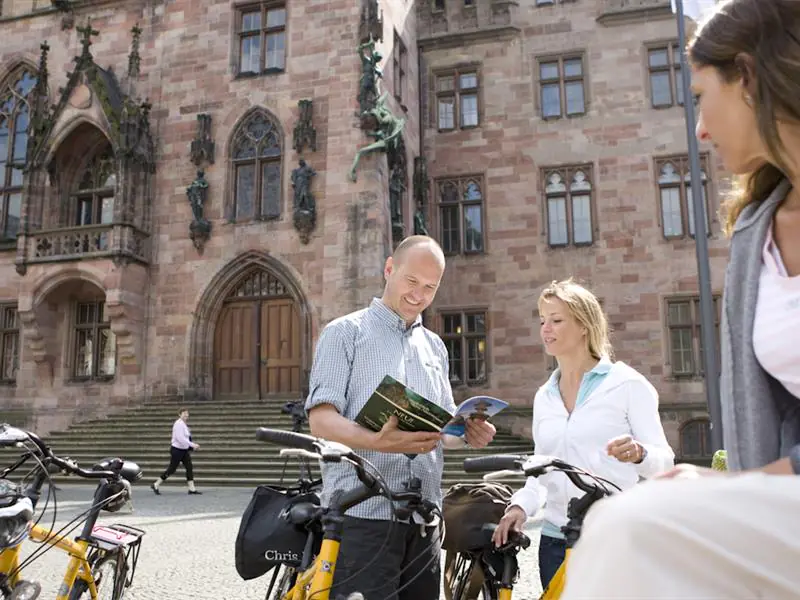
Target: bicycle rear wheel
{"type": "Point", "coordinates": [110, 573]}
{"type": "Point", "coordinates": [470, 581]}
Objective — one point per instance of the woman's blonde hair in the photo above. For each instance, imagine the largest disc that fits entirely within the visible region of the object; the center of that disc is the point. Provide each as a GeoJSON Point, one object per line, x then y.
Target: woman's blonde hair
{"type": "Point", "coordinates": [585, 308]}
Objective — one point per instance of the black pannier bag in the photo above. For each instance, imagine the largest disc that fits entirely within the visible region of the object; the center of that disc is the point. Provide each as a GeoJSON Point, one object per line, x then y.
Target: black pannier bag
{"type": "Point", "coordinates": [266, 538]}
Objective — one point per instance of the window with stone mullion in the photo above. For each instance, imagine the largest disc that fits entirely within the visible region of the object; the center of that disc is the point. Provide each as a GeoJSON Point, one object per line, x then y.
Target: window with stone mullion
{"type": "Point", "coordinates": [262, 39]}
{"type": "Point", "coordinates": [9, 343]}
{"type": "Point", "coordinates": [15, 97]}
{"type": "Point", "coordinates": [256, 159]}
{"type": "Point", "coordinates": [95, 351]}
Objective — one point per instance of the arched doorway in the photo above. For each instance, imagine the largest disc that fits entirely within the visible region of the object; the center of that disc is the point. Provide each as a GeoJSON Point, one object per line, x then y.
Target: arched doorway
{"type": "Point", "coordinates": [258, 340]}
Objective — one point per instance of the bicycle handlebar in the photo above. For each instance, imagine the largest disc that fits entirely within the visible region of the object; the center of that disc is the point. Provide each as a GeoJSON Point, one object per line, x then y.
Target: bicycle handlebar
{"type": "Point", "coordinates": [533, 465]}
{"type": "Point", "coordinates": [14, 436]}
{"type": "Point", "coordinates": [329, 451]}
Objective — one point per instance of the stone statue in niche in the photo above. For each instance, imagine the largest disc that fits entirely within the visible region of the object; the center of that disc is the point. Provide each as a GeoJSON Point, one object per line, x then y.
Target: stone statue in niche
{"type": "Point", "coordinates": [304, 132]}
{"type": "Point", "coordinates": [200, 228]}
{"type": "Point", "coordinates": [305, 207]}
{"type": "Point", "coordinates": [368, 91]}
{"type": "Point", "coordinates": [420, 194]}
{"type": "Point", "coordinates": [386, 129]}
{"type": "Point", "coordinates": [202, 148]}
{"type": "Point", "coordinates": [371, 22]}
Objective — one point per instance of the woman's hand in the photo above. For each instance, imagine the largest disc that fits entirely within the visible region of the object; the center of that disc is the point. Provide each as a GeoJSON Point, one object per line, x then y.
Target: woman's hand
{"type": "Point", "coordinates": [625, 449]}
{"type": "Point", "coordinates": [514, 519]}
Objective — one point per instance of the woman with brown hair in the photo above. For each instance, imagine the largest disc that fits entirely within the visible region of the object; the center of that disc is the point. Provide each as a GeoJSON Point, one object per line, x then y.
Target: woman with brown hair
{"type": "Point", "coordinates": [700, 533]}
{"type": "Point", "coordinates": [595, 413]}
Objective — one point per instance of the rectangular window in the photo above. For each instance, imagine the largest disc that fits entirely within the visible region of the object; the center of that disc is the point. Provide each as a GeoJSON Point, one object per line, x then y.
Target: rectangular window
{"type": "Point", "coordinates": [9, 343]}
{"type": "Point", "coordinates": [461, 215]}
{"type": "Point", "coordinates": [262, 38]}
{"type": "Point", "coordinates": [674, 181]}
{"type": "Point", "coordinates": [684, 335]}
{"type": "Point", "coordinates": [664, 64]}
{"type": "Point", "coordinates": [95, 354]}
{"type": "Point", "coordinates": [569, 205]}
{"type": "Point", "coordinates": [562, 91]}
{"type": "Point", "coordinates": [464, 334]}
{"type": "Point", "coordinates": [438, 5]}
{"type": "Point", "coordinates": [399, 67]}
{"type": "Point", "coordinates": [457, 99]}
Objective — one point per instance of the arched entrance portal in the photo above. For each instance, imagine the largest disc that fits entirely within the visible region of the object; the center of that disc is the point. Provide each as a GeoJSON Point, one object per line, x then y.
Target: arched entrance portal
{"type": "Point", "coordinates": [258, 340]}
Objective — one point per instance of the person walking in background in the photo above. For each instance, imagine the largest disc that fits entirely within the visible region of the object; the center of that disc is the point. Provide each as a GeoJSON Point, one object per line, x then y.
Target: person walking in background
{"type": "Point", "coordinates": [596, 414]}
{"type": "Point", "coordinates": [180, 452]}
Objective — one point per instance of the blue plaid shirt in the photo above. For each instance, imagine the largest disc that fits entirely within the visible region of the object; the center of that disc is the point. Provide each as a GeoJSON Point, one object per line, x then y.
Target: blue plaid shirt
{"type": "Point", "coordinates": [377, 342]}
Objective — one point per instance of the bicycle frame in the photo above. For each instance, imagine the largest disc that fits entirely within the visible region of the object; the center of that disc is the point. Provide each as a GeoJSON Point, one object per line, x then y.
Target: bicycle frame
{"type": "Point", "coordinates": [556, 586]}
{"type": "Point", "coordinates": [319, 576]}
{"type": "Point", "coordinates": [78, 565]}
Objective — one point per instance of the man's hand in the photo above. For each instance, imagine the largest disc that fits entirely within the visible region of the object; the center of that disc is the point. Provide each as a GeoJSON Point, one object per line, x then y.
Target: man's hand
{"type": "Point", "coordinates": [513, 520]}
{"type": "Point", "coordinates": [390, 439]}
{"type": "Point", "coordinates": [479, 433]}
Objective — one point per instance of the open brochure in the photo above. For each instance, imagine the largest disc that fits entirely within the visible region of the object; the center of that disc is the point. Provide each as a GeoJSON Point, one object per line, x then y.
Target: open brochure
{"type": "Point", "coordinates": [416, 413]}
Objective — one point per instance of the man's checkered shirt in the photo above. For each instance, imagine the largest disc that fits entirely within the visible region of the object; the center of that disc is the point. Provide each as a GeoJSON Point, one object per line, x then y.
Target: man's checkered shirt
{"type": "Point", "coordinates": [378, 343]}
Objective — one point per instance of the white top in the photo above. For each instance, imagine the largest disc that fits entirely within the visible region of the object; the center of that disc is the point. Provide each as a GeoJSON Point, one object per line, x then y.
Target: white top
{"type": "Point", "coordinates": [776, 329]}
{"type": "Point", "coordinates": [181, 436]}
{"type": "Point", "coordinates": [623, 403]}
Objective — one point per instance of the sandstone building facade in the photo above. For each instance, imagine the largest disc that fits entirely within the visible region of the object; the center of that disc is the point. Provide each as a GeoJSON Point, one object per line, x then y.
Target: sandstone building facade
{"type": "Point", "coordinates": [179, 217]}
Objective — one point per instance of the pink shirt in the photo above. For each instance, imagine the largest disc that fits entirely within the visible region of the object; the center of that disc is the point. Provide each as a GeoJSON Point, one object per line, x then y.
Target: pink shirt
{"type": "Point", "coordinates": [776, 330]}
{"type": "Point", "coordinates": [180, 435]}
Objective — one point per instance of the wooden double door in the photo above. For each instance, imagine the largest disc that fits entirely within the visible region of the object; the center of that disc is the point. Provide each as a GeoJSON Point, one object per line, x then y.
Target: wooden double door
{"type": "Point", "coordinates": [257, 349]}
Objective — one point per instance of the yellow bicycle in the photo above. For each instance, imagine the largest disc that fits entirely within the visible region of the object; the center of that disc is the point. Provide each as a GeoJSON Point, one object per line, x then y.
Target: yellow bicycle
{"type": "Point", "coordinates": [313, 579]}
{"type": "Point", "coordinates": [498, 566]}
{"type": "Point", "coordinates": [102, 558]}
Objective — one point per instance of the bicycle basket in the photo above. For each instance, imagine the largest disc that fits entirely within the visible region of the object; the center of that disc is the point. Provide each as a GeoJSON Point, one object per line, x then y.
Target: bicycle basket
{"type": "Point", "coordinates": [266, 539]}
{"type": "Point", "coordinates": [16, 513]}
{"type": "Point", "coordinates": [466, 507]}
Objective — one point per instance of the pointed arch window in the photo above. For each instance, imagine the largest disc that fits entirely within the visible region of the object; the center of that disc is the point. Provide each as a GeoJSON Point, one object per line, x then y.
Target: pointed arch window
{"type": "Point", "coordinates": [15, 108]}
{"type": "Point", "coordinates": [675, 195]}
{"type": "Point", "coordinates": [256, 162]}
{"type": "Point", "coordinates": [93, 197]}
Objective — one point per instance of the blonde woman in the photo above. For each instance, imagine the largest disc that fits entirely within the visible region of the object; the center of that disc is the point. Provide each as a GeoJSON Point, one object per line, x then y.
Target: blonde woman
{"type": "Point", "coordinates": [593, 413]}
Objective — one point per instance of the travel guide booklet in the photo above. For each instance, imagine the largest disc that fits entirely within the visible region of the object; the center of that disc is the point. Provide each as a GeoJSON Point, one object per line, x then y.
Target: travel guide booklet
{"type": "Point", "coordinates": [415, 413]}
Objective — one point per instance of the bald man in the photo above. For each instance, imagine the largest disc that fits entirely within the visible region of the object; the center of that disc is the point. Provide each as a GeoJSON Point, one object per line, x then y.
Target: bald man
{"type": "Point", "coordinates": [354, 353]}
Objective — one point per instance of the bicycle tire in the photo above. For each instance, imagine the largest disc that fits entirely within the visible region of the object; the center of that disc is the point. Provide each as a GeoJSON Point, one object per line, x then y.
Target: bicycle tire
{"type": "Point", "coordinates": [460, 587]}
{"type": "Point", "coordinates": [97, 560]}
{"type": "Point", "coordinates": [285, 582]}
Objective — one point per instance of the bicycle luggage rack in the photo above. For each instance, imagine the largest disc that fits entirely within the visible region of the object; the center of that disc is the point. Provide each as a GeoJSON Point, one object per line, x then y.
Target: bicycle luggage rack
{"type": "Point", "coordinates": [111, 537]}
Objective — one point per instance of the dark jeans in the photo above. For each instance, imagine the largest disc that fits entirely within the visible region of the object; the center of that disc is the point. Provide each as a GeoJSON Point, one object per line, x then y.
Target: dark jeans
{"type": "Point", "coordinates": [551, 554]}
{"type": "Point", "coordinates": [376, 569]}
{"type": "Point", "coordinates": [176, 457]}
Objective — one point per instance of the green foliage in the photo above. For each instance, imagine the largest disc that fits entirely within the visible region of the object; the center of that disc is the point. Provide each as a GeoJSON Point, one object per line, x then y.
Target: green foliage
{"type": "Point", "coordinates": [720, 460]}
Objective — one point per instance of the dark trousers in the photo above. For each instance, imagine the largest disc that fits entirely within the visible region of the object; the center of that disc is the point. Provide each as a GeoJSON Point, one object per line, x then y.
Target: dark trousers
{"type": "Point", "coordinates": [368, 566]}
{"type": "Point", "coordinates": [552, 552]}
{"type": "Point", "coordinates": [176, 457]}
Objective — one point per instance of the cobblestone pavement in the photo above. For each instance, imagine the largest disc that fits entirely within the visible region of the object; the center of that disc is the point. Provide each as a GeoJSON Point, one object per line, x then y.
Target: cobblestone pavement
{"type": "Point", "coordinates": [187, 553]}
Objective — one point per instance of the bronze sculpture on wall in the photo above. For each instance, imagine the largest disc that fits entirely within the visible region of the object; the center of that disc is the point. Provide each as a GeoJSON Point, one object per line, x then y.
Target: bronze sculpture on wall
{"type": "Point", "coordinates": [385, 128]}
{"type": "Point", "coordinates": [368, 90]}
{"type": "Point", "coordinates": [420, 195]}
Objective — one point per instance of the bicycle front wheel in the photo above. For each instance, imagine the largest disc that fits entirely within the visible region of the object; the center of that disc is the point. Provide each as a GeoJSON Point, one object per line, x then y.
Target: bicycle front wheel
{"type": "Point", "coordinates": [110, 573]}
{"type": "Point", "coordinates": [470, 582]}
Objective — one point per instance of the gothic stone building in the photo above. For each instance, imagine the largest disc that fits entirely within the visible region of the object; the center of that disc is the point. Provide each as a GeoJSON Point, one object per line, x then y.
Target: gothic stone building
{"type": "Point", "coordinates": [161, 236]}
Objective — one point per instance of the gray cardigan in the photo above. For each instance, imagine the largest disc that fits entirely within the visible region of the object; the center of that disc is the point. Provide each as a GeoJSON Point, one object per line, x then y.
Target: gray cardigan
{"type": "Point", "coordinates": [760, 418]}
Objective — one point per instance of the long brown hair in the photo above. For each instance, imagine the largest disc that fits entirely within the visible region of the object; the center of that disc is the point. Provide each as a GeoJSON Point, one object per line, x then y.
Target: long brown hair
{"type": "Point", "coordinates": [768, 32]}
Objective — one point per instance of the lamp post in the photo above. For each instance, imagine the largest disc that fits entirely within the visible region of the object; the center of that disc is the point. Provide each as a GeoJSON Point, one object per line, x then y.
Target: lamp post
{"type": "Point", "coordinates": [707, 313]}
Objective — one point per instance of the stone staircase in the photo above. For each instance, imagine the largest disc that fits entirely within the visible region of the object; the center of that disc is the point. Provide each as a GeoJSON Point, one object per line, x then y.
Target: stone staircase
{"type": "Point", "coordinates": [229, 454]}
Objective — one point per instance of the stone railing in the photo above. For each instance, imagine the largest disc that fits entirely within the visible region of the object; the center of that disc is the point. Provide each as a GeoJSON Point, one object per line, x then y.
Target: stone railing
{"type": "Point", "coordinates": [91, 241]}
{"type": "Point", "coordinates": [613, 10]}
